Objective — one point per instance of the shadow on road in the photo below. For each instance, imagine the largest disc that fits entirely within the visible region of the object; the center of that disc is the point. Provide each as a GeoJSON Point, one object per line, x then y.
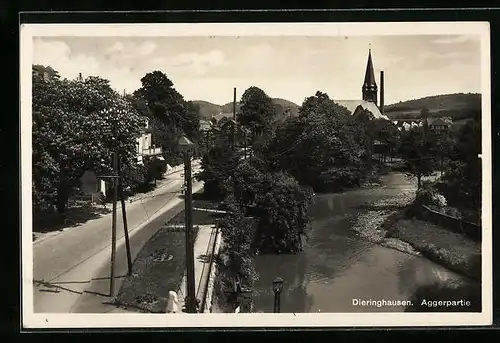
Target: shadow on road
{"type": "Point", "coordinates": [53, 287]}
{"type": "Point", "coordinates": [57, 287]}
{"type": "Point", "coordinates": [71, 217]}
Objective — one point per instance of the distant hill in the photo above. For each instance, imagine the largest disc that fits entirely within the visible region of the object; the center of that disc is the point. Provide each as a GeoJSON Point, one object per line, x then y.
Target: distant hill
{"type": "Point", "coordinates": [207, 109]}
{"type": "Point", "coordinates": [458, 106]}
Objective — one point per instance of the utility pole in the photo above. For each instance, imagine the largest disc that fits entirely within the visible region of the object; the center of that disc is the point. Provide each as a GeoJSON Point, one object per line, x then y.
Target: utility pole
{"type": "Point", "coordinates": [190, 276]}
{"type": "Point", "coordinates": [234, 104]}
{"type": "Point", "coordinates": [124, 214]}
{"type": "Point", "coordinates": [113, 227]}
{"type": "Point", "coordinates": [234, 118]}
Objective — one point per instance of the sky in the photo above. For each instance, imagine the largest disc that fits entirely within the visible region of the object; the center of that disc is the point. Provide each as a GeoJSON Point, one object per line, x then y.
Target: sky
{"type": "Point", "coordinates": [288, 67]}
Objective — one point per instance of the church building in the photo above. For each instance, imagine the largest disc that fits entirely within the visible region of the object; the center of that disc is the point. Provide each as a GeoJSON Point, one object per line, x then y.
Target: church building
{"type": "Point", "coordinates": [369, 104]}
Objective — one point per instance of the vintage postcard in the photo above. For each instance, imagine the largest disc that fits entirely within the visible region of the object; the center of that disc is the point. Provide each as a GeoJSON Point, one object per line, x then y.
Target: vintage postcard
{"type": "Point", "coordinates": [256, 175]}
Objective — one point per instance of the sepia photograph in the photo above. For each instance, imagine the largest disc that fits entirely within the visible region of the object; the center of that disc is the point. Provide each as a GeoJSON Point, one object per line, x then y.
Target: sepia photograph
{"type": "Point", "coordinates": [328, 174]}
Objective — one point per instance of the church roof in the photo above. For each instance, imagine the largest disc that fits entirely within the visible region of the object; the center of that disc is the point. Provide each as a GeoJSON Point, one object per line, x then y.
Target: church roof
{"type": "Point", "coordinates": [369, 74]}
{"type": "Point", "coordinates": [352, 105]}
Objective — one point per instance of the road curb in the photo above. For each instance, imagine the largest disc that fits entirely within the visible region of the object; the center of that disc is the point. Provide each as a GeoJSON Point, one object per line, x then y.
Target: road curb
{"type": "Point", "coordinates": [153, 193]}
{"type": "Point", "coordinates": [172, 203]}
{"type": "Point", "coordinates": [121, 241]}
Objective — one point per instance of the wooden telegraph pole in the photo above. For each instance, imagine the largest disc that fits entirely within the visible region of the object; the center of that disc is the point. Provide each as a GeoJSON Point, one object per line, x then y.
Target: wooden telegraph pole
{"type": "Point", "coordinates": [113, 226]}
{"type": "Point", "coordinates": [190, 299]}
{"type": "Point", "coordinates": [234, 118]}
{"type": "Point", "coordinates": [117, 188]}
{"type": "Point", "coordinates": [124, 214]}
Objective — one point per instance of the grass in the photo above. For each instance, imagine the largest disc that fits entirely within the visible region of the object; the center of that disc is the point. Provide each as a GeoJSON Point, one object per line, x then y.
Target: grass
{"type": "Point", "coordinates": [159, 266]}
{"type": "Point", "coordinates": [452, 250]}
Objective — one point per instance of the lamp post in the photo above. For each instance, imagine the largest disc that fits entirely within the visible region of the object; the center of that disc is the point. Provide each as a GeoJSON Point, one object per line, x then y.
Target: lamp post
{"type": "Point", "coordinates": [277, 288]}
{"type": "Point", "coordinates": [186, 147]}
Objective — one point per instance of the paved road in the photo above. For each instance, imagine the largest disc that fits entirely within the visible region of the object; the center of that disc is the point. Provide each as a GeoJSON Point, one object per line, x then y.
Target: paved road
{"type": "Point", "coordinates": [64, 265]}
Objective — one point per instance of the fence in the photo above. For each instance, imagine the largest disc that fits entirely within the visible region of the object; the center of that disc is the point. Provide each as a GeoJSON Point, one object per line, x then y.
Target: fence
{"type": "Point", "coordinates": [453, 224]}
{"type": "Point", "coordinates": [180, 167]}
{"type": "Point", "coordinates": [206, 302]}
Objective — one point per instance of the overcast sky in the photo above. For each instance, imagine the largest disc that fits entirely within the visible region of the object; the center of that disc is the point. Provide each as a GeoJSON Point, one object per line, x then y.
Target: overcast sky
{"type": "Point", "coordinates": [293, 68]}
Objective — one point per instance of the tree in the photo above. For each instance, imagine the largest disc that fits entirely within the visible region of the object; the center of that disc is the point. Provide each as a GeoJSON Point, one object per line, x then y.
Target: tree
{"type": "Point", "coordinates": [76, 126]}
{"type": "Point", "coordinates": [218, 166]}
{"type": "Point", "coordinates": [246, 184]}
{"type": "Point", "coordinates": [155, 168]}
{"type": "Point", "coordinates": [321, 104]}
{"type": "Point", "coordinates": [285, 205]}
{"type": "Point", "coordinates": [463, 175]}
{"type": "Point", "coordinates": [324, 139]}
{"type": "Point", "coordinates": [44, 72]}
{"type": "Point", "coordinates": [171, 116]}
{"type": "Point", "coordinates": [256, 112]}
{"type": "Point", "coordinates": [416, 151]}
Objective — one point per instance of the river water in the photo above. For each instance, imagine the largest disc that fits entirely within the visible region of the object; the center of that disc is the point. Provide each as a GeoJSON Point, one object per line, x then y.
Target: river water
{"type": "Point", "coordinates": [338, 265]}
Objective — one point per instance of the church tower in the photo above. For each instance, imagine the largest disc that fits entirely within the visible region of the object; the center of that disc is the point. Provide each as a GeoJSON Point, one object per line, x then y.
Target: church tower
{"type": "Point", "coordinates": [369, 85]}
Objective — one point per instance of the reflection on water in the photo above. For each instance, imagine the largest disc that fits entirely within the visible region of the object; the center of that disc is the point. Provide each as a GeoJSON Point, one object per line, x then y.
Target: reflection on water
{"type": "Point", "coordinates": [336, 266]}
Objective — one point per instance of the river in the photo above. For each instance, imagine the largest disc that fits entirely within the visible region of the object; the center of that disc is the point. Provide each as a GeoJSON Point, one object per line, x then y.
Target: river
{"type": "Point", "coordinates": [338, 265]}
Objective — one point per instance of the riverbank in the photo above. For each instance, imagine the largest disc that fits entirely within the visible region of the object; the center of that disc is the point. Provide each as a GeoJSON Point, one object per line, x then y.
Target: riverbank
{"type": "Point", "coordinates": [376, 218]}
{"type": "Point", "coordinates": [452, 250]}
{"type": "Point", "coordinates": [387, 222]}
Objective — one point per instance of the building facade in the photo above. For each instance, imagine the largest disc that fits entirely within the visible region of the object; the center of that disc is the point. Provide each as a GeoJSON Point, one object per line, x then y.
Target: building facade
{"type": "Point", "coordinates": [145, 146]}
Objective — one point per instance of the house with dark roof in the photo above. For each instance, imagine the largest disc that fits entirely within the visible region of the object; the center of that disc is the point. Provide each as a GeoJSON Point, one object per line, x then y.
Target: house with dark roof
{"type": "Point", "coordinates": [369, 103]}
{"type": "Point", "coordinates": [439, 125]}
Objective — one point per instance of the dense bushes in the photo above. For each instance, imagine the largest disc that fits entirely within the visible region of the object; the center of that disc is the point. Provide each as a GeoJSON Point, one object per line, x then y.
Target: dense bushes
{"type": "Point", "coordinates": [218, 165]}
{"type": "Point", "coordinates": [235, 257]}
{"type": "Point", "coordinates": [284, 205]}
{"type": "Point", "coordinates": [462, 179]}
{"type": "Point", "coordinates": [281, 204]}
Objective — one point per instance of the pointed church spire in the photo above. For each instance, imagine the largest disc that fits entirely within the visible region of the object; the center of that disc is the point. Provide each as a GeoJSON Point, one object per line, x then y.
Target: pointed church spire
{"type": "Point", "coordinates": [369, 84]}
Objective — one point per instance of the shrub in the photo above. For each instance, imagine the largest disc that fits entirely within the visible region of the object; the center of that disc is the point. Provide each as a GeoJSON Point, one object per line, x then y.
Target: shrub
{"type": "Point", "coordinates": [284, 221]}
{"type": "Point", "coordinates": [428, 196]}
{"type": "Point", "coordinates": [236, 257]}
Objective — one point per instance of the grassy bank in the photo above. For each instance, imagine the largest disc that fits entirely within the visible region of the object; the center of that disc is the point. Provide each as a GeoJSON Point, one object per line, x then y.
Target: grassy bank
{"type": "Point", "coordinates": [391, 223]}
{"type": "Point", "coordinates": [159, 266]}
{"type": "Point", "coordinates": [452, 250]}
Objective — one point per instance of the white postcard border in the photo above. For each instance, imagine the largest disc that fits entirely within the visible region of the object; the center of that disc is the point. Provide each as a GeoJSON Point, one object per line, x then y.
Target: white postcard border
{"type": "Point", "coordinates": [46, 320]}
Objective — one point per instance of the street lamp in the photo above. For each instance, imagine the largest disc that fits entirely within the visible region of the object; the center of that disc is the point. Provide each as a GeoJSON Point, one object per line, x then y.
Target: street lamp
{"type": "Point", "coordinates": [277, 288]}
{"type": "Point", "coordinates": [186, 146]}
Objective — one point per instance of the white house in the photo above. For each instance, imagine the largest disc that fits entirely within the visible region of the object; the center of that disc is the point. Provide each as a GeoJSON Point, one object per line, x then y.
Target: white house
{"type": "Point", "coordinates": [145, 146]}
